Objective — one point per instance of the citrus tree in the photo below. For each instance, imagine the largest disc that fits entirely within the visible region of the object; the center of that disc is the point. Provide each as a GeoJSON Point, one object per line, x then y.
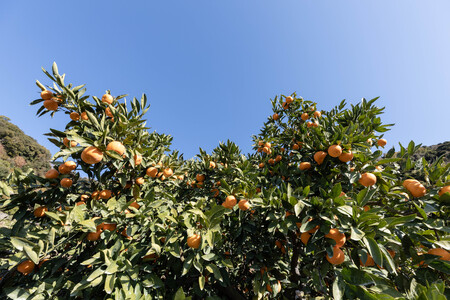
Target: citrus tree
{"type": "Point", "coordinates": [316, 211]}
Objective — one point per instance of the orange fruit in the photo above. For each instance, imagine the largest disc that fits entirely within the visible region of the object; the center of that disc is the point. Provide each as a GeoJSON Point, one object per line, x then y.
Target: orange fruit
{"type": "Point", "coordinates": [269, 288]}
{"type": "Point", "coordinates": [107, 98]}
{"type": "Point", "coordinates": [289, 99]}
{"type": "Point", "coordinates": [135, 205]}
{"type": "Point", "coordinates": [278, 158]}
{"type": "Point", "coordinates": [46, 94]}
{"type": "Point", "coordinates": [66, 182]}
{"type": "Point", "coordinates": [80, 203]}
{"type": "Point", "coordinates": [117, 147]}
{"type": "Point", "coordinates": [391, 253]}
{"type": "Point", "coordinates": [105, 194]}
{"type": "Point", "coordinates": [444, 254]}
{"type": "Point", "coordinates": [275, 117]}
{"type": "Point", "coordinates": [313, 230]}
{"type": "Point", "coordinates": [69, 143]}
{"type": "Point", "coordinates": [338, 256]}
{"type": "Point", "coordinates": [108, 112]}
{"type": "Point", "coordinates": [285, 105]}
{"type": "Point", "coordinates": [295, 147]}
{"type": "Point", "coordinates": [93, 236]}
{"type": "Point", "coordinates": [309, 124]}
{"type": "Point", "coordinates": [369, 141]}
{"type": "Point", "coordinates": [335, 150]}
{"type": "Point", "coordinates": [74, 116]}
{"type": "Point", "coordinates": [167, 172]}
{"type": "Point", "coordinates": [305, 165]}
{"type": "Point", "coordinates": [51, 174]}
{"type": "Point", "coordinates": [315, 124]}
{"type": "Point", "coordinates": [415, 187]}
{"type": "Point", "coordinates": [366, 207]}
{"type": "Point", "coordinates": [368, 179]}
{"type": "Point", "coordinates": [381, 142]}
{"type": "Point", "coordinates": [268, 145]}
{"type": "Point", "coordinates": [346, 156]}
{"type": "Point", "coordinates": [212, 165]}
{"type": "Point", "coordinates": [51, 105]}
{"type": "Point", "coordinates": [304, 116]}
{"type": "Point", "coordinates": [337, 236]}
{"type": "Point", "coordinates": [26, 267]}
{"type": "Point", "coordinates": [215, 191]}
{"type": "Point", "coordinates": [109, 226]}
{"type": "Point", "coordinates": [124, 233]}
{"type": "Point", "coordinates": [230, 202]}
{"type": "Point", "coordinates": [261, 143]}
{"type": "Point", "coordinates": [445, 189]}
{"type": "Point", "coordinates": [304, 237]}
{"type": "Point", "coordinates": [40, 211]}
{"type": "Point", "coordinates": [244, 204]}
{"type": "Point", "coordinates": [369, 262]}
{"type": "Point", "coordinates": [194, 241]}
{"type": "Point", "coordinates": [319, 157]}
{"type": "Point", "coordinates": [63, 169]}
{"type": "Point", "coordinates": [200, 177]}
{"type": "Point", "coordinates": [261, 165]}
{"type": "Point", "coordinates": [42, 262]}
{"type": "Point", "coordinates": [84, 116]}
{"type": "Point", "coordinates": [317, 114]}
{"type": "Point", "coordinates": [152, 172]}
{"type": "Point", "coordinates": [91, 155]}
{"type": "Point", "coordinates": [271, 161]}
{"type": "Point", "coordinates": [140, 180]}
{"type": "Point", "coordinates": [137, 159]}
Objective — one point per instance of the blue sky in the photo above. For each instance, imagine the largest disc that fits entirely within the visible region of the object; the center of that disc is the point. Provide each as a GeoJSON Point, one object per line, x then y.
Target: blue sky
{"type": "Point", "coordinates": [211, 67]}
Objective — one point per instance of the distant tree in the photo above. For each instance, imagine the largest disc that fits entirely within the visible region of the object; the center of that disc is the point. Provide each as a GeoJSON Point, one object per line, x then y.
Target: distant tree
{"type": "Point", "coordinates": [20, 150]}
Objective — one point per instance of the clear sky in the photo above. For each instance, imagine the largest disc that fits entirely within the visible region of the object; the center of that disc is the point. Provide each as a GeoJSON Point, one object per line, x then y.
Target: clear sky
{"type": "Point", "coordinates": [211, 67]}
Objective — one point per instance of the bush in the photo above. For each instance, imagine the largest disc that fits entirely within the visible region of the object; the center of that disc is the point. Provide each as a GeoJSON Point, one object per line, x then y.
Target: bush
{"type": "Point", "coordinates": [146, 223]}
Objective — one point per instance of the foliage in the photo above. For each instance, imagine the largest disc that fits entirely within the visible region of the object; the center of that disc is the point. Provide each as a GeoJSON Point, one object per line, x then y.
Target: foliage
{"type": "Point", "coordinates": [243, 253]}
{"type": "Point", "coordinates": [20, 150]}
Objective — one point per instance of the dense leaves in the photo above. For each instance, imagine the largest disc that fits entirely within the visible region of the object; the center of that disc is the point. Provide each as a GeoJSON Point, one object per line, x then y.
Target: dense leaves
{"type": "Point", "coordinates": [144, 223]}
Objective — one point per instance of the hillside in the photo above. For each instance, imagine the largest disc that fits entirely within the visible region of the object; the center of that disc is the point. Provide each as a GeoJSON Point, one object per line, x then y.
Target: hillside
{"type": "Point", "coordinates": [433, 152]}
{"type": "Point", "coordinates": [18, 150]}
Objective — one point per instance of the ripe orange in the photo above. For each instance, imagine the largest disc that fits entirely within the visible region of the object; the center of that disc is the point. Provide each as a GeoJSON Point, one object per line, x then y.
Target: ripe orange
{"type": "Point", "coordinates": [271, 161]}
{"type": "Point", "coordinates": [63, 169]}
{"type": "Point", "coordinates": [108, 112]}
{"type": "Point", "coordinates": [269, 288]}
{"type": "Point", "coordinates": [338, 256]}
{"type": "Point", "coordinates": [304, 237]}
{"type": "Point", "coordinates": [317, 114]}
{"type": "Point", "coordinates": [368, 179]}
{"type": "Point", "coordinates": [381, 142]}
{"type": "Point", "coordinates": [275, 117]}
{"type": "Point", "coordinates": [51, 105]}
{"type": "Point", "coordinates": [66, 182]}
{"type": "Point", "coordinates": [305, 165]}
{"type": "Point", "coordinates": [261, 165]}
{"type": "Point", "coordinates": [26, 267]}
{"type": "Point", "coordinates": [415, 187]}
{"type": "Point", "coordinates": [215, 192]}
{"type": "Point", "coordinates": [107, 98]}
{"type": "Point", "coordinates": [366, 207]}
{"type": "Point", "coordinates": [337, 236]}
{"type": "Point", "coordinates": [445, 189]}
{"type": "Point", "coordinates": [346, 156]}
{"type": "Point", "coordinates": [42, 262]}
{"type": "Point", "coordinates": [46, 94]}
{"type": "Point", "coordinates": [109, 226]}
{"type": "Point", "coordinates": [69, 143]}
{"type": "Point", "coordinates": [84, 116]}
{"type": "Point", "coordinates": [80, 203]}
{"type": "Point", "coordinates": [278, 158]}
{"type": "Point", "coordinates": [369, 262]}
{"type": "Point", "coordinates": [295, 147]}
{"type": "Point", "coordinates": [304, 116]}
{"type": "Point", "coordinates": [93, 236]}
{"type": "Point", "coordinates": [309, 124]}
{"type": "Point", "coordinates": [285, 105]}
{"type": "Point", "coordinates": [315, 124]}
{"type": "Point", "coordinates": [74, 116]}
{"type": "Point", "coordinates": [95, 195]}
{"type": "Point", "coordinates": [194, 241]}
{"type": "Point", "coordinates": [289, 99]}
{"type": "Point", "coordinates": [212, 165]}
{"type": "Point", "coordinates": [135, 205]}
{"type": "Point", "coordinates": [319, 157]}
{"type": "Point", "coordinates": [105, 194]}
{"type": "Point", "coordinates": [91, 155]}
{"type": "Point", "coordinates": [261, 143]}
{"type": "Point", "coordinates": [167, 172]}
{"type": "Point", "coordinates": [313, 230]}
{"type": "Point", "coordinates": [152, 172]}
{"type": "Point", "coordinates": [335, 150]}
{"type": "Point", "coordinates": [117, 147]}
{"type": "Point", "coordinates": [137, 159]}
{"type": "Point", "coordinates": [200, 177]}
{"type": "Point", "coordinates": [369, 141]}
{"type": "Point", "coordinates": [140, 180]}
{"type": "Point", "coordinates": [40, 211]}
{"type": "Point", "coordinates": [444, 254]}
{"type": "Point", "coordinates": [51, 174]}
{"type": "Point", "coordinates": [230, 202]}
{"type": "Point", "coordinates": [244, 204]}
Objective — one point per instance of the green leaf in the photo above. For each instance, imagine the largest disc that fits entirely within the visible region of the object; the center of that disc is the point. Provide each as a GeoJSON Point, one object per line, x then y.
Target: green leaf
{"type": "Point", "coordinates": [201, 282]}
{"type": "Point", "coordinates": [356, 234]}
{"type": "Point", "coordinates": [19, 243]}
{"type": "Point", "coordinates": [109, 283]}
{"type": "Point", "coordinates": [31, 254]}
{"type": "Point", "coordinates": [98, 272]}
{"type": "Point", "coordinates": [215, 270]}
{"type": "Point", "coordinates": [338, 289]}
{"type": "Point", "coordinates": [112, 268]}
{"type": "Point", "coordinates": [179, 295]}
{"type": "Point", "coordinates": [374, 250]}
